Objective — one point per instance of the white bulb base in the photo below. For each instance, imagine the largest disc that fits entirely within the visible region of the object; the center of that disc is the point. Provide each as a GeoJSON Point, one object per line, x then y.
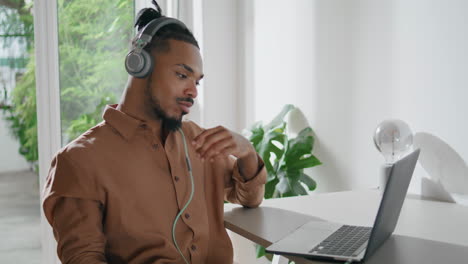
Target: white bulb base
{"type": "Point", "coordinates": [385, 170]}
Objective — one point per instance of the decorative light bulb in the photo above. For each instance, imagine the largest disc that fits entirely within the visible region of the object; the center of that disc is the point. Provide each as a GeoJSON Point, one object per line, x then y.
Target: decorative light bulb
{"type": "Point", "coordinates": [393, 138]}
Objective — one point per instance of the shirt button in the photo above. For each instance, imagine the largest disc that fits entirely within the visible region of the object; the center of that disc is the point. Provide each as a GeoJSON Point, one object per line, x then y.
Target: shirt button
{"type": "Point", "coordinates": [187, 216]}
{"type": "Point", "coordinates": [155, 146]}
{"type": "Point", "coordinates": [176, 178]}
{"type": "Point", "coordinates": [193, 247]}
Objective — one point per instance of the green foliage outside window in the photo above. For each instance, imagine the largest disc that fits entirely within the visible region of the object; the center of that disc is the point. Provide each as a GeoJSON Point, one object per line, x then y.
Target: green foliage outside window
{"type": "Point", "coordinates": [22, 114]}
{"type": "Point", "coordinates": [19, 107]}
{"type": "Point", "coordinates": [94, 37]}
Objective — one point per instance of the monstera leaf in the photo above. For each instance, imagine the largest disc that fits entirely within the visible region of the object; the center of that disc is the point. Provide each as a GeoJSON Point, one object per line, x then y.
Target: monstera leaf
{"type": "Point", "coordinates": [285, 159]}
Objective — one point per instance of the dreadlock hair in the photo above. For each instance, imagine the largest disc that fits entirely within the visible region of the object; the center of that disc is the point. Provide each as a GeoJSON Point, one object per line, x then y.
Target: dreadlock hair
{"type": "Point", "coordinates": [159, 42]}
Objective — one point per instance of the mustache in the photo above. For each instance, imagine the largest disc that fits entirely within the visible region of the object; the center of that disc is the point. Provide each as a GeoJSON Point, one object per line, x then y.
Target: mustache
{"type": "Point", "coordinates": [188, 99]}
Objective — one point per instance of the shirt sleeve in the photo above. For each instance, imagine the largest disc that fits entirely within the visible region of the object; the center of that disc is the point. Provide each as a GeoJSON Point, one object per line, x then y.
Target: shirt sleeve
{"type": "Point", "coordinates": [77, 226]}
{"type": "Point", "coordinates": [247, 193]}
{"type": "Point", "coordinates": [73, 208]}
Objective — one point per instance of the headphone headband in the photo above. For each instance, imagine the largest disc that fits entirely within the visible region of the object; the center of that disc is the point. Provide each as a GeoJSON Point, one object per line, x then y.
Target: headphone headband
{"type": "Point", "coordinates": [138, 62]}
{"type": "Point", "coordinates": [156, 24]}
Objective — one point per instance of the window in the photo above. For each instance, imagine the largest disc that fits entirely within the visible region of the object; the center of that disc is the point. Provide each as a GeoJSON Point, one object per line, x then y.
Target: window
{"type": "Point", "coordinates": [93, 39]}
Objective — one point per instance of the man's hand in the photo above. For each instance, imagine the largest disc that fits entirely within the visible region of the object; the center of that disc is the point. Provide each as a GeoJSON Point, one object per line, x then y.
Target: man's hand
{"type": "Point", "coordinates": [218, 141]}
{"type": "Point", "coordinates": [221, 142]}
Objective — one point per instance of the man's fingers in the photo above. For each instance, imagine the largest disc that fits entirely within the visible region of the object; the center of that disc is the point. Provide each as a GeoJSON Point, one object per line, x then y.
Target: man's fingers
{"type": "Point", "coordinates": [218, 149]}
{"type": "Point", "coordinates": [223, 153]}
{"type": "Point", "coordinates": [212, 141]}
{"type": "Point", "coordinates": [200, 139]}
{"type": "Point", "coordinates": [215, 141]}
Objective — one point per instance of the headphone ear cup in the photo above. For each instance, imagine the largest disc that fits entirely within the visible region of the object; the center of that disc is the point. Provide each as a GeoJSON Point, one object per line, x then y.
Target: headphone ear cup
{"type": "Point", "coordinates": [139, 64]}
{"type": "Point", "coordinates": [148, 66]}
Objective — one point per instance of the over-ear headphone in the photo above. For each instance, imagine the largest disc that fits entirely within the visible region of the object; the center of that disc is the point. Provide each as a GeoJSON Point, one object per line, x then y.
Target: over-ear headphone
{"type": "Point", "coordinates": [139, 63]}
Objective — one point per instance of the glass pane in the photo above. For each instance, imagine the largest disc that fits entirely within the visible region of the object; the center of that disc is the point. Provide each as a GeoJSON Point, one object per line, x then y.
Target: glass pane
{"type": "Point", "coordinates": [19, 181]}
{"type": "Point", "coordinates": [94, 37]}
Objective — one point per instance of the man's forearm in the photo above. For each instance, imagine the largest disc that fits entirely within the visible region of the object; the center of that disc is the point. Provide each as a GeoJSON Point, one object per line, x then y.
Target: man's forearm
{"type": "Point", "coordinates": [248, 165]}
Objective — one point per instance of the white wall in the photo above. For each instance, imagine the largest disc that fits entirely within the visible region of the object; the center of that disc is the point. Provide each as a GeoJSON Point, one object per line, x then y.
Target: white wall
{"type": "Point", "coordinates": [302, 57]}
{"type": "Point", "coordinates": [220, 55]}
{"type": "Point", "coordinates": [431, 62]}
{"type": "Point", "coordinates": [351, 64]}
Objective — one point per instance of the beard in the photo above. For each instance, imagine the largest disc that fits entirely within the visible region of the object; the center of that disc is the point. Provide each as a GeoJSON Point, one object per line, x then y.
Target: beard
{"type": "Point", "coordinates": [168, 123]}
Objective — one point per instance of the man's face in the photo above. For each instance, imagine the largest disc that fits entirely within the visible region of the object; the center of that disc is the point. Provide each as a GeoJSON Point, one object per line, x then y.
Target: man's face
{"type": "Point", "coordinates": [173, 83]}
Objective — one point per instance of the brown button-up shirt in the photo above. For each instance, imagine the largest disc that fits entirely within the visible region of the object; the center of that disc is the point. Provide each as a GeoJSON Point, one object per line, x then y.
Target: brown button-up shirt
{"type": "Point", "coordinates": [113, 193]}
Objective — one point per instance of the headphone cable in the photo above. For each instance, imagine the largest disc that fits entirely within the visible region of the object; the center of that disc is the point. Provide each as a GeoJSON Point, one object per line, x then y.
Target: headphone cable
{"type": "Point", "coordinates": [189, 168]}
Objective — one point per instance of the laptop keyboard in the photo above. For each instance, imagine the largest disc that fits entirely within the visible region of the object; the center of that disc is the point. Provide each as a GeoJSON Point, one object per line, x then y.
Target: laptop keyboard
{"type": "Point", "coordinates": [344, 241]}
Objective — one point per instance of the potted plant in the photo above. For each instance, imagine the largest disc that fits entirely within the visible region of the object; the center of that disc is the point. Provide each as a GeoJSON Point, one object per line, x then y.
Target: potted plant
{"type": "Point", "coordinates": [285, 155]}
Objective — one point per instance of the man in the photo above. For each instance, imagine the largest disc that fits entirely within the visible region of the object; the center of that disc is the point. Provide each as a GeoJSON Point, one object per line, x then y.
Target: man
{"type": "Point", "coordinates": [112, 195]}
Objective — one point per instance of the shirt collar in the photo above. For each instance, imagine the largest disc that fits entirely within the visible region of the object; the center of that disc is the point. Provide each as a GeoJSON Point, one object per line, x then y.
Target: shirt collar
{"type": "Point", "coordinates": [124, 124]}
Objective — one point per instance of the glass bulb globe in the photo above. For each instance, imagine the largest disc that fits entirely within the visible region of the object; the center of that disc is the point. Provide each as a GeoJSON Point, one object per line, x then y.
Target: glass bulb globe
{"type": "Point", "coordinates": [393, 138]}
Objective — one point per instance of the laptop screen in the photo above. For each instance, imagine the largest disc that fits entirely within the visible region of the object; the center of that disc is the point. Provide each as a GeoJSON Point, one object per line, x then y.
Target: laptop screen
{"type": "Point", "coordinates": [392, 201]}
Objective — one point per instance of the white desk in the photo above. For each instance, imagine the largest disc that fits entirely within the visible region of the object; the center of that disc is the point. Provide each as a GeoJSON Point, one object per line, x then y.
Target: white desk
{"type": "Point", "coordinates": [441, 229]}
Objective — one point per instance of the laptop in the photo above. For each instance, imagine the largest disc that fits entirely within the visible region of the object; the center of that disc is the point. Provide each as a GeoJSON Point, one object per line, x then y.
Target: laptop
{"type": "Point", "coordinates": [332, 241]}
